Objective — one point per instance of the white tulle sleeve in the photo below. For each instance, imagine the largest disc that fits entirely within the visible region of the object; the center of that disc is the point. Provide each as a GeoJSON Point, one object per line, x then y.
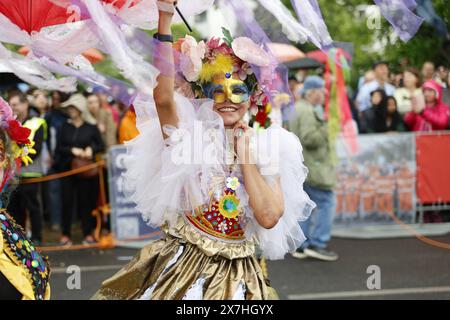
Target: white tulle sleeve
{"type": "Point", "coordinates": [165, 177]}
{"type": "Point", "coordinates": [280, 158]}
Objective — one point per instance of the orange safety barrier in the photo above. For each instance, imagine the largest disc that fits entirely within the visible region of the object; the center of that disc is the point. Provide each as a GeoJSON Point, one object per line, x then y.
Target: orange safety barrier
{"type": "Point", "coordinates": [64, 174]}
{"type": "Point", "coordinates": [105, 242]}
{"type": "Point", "coordinates": [420, 236]}
{"type": "Point", "coordinates": [103, 209]}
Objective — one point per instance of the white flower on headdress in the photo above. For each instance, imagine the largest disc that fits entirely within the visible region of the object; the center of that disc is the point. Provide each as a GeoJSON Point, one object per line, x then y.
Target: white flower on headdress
{"type": "Point", "coordinates": [267, 74]}
{"type": "Point", "coordinates": [192, 54]}
{"type": "Point", "coordinates": [243, 70]}
{"type": "Point", "coordinates": [6, 112]}
{"type": "Point", "coordinates": [247, 50]}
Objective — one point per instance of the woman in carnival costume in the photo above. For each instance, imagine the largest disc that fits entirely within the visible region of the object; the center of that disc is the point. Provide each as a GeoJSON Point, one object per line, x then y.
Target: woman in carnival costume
{"type": "Point", "coordinates": [24, 272]}
{"type": "Point", "coordinates": [219, 189]}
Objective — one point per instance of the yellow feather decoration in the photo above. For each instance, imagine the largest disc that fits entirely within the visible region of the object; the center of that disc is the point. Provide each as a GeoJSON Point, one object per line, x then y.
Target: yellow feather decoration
{"type": "Point", "coordinates": [220, 65]}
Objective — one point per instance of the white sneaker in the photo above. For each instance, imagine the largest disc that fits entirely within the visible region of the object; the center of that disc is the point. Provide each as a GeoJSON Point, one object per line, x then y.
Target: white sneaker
{"type": "Point", "coordinates": [321, 254]}
{"type": "Point", "coordinates": [299, 254]}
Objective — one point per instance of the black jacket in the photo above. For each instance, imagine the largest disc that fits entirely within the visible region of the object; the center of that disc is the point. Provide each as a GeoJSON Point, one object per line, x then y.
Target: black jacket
{"type": "Point", "coordinates": [71, 137]}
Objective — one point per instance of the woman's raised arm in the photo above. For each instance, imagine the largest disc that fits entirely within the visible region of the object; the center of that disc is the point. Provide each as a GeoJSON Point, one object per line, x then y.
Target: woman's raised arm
{"type": "Point", "coordinates": [164, 61]}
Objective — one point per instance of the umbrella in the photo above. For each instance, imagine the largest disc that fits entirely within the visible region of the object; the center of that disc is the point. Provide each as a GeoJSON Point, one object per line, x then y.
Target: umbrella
{"type": "Point", "coordinates": [285, 52]}
{"type": "Point", "coordinates": [31, 15]}
{"type": "Point", "coordinates": [92, 54]}
{"type": "Point", "coordinates": [304, 63]}
{"type": "Point", "coordinates": [322, 57]}
{"type": "Point", "coordinates": [22, 22]}
{"type": "Point", "coordinates": [26, 22]}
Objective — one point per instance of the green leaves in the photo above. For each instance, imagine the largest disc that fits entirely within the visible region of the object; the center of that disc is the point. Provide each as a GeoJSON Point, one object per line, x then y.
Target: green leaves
{"type": "Point", "coordinates": [227, 38]}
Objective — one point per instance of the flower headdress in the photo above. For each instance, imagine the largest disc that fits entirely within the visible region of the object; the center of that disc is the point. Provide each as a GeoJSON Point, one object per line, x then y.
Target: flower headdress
{"type": "Point", "coordinates": [199, 62]}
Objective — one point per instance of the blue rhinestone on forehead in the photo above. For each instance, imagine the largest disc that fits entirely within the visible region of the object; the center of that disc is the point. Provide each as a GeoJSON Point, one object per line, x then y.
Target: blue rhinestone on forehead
{"type": "Point", "coordinates": [228, 75]}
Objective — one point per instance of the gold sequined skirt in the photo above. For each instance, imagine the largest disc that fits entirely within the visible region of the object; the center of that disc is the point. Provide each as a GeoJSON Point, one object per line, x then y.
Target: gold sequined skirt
{"type": "Point", "coordinates": [222, 268]}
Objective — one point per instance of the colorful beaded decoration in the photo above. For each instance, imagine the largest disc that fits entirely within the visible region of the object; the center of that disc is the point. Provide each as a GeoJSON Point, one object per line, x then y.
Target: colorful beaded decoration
{"type": "Point", "coordinates": [20, 250]}
{"type": "Point", "coordinates": [221, 218]}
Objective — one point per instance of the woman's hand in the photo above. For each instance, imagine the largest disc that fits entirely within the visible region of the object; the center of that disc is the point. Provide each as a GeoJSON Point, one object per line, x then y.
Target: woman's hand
{"type": "Point", "coordinates": [77, 152]}
{"type": "Point", "coordinates": [418, 109]}
{"type": "Point", "coordinates": [267, 202]}
{"type": "Point", "coordinates": [169, 3]}
{"type": "Point", "coordinates": [242, 138]}
{"type": "Point", "coordinates": [83, 153]}
{"type": "Point", "coordinates": [101, 127]}
{"type": "Point", "coordinates": [418, 103]}
{"type": "Point", "coordinates": [88, 153]}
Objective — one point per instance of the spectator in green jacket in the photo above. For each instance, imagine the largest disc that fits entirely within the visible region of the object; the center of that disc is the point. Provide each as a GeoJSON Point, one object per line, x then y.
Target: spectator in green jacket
{"type": "Point", "coordinates": [310, 126]}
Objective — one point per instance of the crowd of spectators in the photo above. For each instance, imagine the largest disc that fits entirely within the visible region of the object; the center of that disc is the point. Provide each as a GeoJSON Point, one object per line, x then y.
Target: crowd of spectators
{"type": "Point", "coordinates": [69, 131]}
{"type": "Point", "coordinates": [409, 101]}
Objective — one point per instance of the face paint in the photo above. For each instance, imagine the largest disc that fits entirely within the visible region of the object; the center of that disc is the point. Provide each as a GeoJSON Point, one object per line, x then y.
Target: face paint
{"type": "Point", "coordinates": [227, 88]}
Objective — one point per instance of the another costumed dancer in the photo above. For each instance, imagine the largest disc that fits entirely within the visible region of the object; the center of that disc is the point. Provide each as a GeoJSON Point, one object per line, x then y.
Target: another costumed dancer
{"type": "Point", "coordinates": [219, 190]}
{"type": "Point", "coordinates": [24, 272]}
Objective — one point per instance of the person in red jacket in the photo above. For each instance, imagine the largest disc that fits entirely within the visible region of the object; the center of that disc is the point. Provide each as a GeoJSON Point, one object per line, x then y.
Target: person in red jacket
{"type": "Point", "coordinates": [431, 115]}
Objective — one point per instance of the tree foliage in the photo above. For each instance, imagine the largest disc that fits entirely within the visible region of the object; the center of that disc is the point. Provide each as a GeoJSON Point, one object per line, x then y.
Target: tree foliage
{"type": "Point", "coordinates": [346, 24]}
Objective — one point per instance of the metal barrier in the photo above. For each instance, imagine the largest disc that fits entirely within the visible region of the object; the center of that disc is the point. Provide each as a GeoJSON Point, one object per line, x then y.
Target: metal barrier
{"type": "Point", "coordinates": [392, 179]}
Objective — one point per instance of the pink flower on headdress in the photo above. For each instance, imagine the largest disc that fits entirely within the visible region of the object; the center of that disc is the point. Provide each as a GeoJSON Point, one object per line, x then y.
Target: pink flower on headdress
{"type": "Point", "coordinates": [259, 98]}
{"type": "Point", "coordinates": [243, 70]}
{"type": "Point", "coordinates": [192, 54]}
{"type": "Point", "coordinates": [214, 46]}
{"type": "Point", "coordinates": [247, 50]}
{"type": "Point", "coordinates": [267, 75]}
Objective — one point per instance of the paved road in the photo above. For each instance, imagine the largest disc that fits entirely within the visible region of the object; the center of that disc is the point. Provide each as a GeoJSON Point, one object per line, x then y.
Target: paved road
{"type": "Point", "coordinates": [410, 269]}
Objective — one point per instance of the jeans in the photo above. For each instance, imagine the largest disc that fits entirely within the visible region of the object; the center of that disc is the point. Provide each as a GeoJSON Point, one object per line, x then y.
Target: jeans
{"type": "Point", "coordinates": [54, 200]}
{"type": "Point", "coordinates": [317, 228]}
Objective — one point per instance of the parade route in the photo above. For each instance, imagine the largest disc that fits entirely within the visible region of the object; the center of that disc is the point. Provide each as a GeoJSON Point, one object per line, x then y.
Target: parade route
{"type": "Point", "coordinates": [409, 269]}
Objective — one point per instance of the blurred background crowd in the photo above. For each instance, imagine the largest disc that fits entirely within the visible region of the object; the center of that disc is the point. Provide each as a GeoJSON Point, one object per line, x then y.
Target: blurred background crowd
{"type": "Point", "coordinates": [404, 93]}
{"type": "Point", "coordinates": [415, 99]}
{"type": "Point", "coordinates": [69, 131]}
{"type": "Point", "coordinates": [74, 130]}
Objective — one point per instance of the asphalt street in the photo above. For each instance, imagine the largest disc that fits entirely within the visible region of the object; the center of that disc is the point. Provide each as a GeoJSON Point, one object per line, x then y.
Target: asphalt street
{"type": "Point", "coordinates": [407, 269]}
